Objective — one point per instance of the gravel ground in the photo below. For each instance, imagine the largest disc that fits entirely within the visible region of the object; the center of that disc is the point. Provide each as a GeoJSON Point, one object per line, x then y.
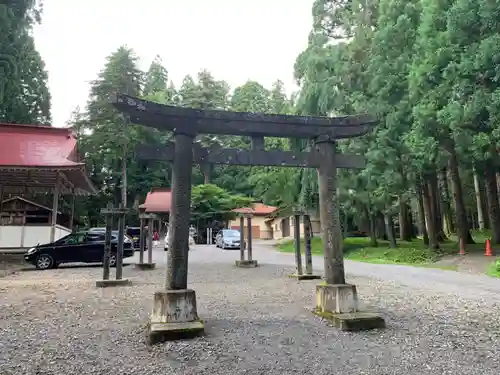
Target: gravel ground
{"type": "Point", "coordinates": [11, 263]}
{"type": "Point", "coordinates": [56, 322]}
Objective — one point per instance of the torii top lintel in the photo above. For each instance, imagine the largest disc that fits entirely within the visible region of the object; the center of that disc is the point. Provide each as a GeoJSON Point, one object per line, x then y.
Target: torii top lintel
{"type": "Point", "coordinates": [198, 121]}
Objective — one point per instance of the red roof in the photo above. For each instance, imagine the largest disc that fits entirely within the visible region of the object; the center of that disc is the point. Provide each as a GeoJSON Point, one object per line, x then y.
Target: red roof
{"type": "Point", "coordinates": [32, 157]}
{"type": "Point", "coordinates": [37, 146]}
{"type": "Point", "coordinates": [258, 209]}
{"type": "Point", "coordinates": [158, 200]}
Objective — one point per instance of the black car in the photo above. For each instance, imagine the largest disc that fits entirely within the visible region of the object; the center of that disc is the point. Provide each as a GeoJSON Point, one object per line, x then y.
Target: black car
{"type": "Point", "coordinates": [81, 247]}
{"type": "Point", "coordinates": [135, 234]}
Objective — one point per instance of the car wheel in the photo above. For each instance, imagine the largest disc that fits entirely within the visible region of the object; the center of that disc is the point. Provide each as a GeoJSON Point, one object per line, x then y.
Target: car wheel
{"type": "Point", "coordinates": [112, 260]}
{"type": "Point", "coordinates": [44, 262]}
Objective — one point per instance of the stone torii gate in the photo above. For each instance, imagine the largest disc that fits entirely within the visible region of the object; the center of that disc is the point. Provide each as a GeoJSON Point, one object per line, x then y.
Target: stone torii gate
{"type": "Point", "coordinates": [174, 309]}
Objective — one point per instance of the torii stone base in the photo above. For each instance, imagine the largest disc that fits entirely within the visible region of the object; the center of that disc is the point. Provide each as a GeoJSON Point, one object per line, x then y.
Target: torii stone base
{"type": "Point", "coordinates": [304, 277]}
{"type": "Point", "coordinates": [246, 263]}
{"type": "Point", "coordinates": [112, 283]}
{"type": "Point", "coordinates": [174, 317]}
{"type": "Point", "coordinates": [145, 266]}
{"type": "Point", "coordinates": [339, 305]}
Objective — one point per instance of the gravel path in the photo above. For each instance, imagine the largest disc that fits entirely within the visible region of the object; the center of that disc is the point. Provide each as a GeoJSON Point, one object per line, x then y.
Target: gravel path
{"type": "Point", "coordinates": [56, 322]}
{"type": "Point", "coordinates": [10, 263]}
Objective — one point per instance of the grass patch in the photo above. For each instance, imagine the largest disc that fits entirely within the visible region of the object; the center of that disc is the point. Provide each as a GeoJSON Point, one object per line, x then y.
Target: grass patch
{"type": "Point", "coordinates": [494, 269]}
{"type": "Point", "coordinates": [413, 253]}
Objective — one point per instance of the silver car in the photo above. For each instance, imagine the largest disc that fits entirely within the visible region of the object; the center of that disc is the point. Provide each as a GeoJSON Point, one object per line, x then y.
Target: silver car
{"type": "Point", "coordinates": [228, 239]}
{"type": "Point", "coordinates": [191, 241]}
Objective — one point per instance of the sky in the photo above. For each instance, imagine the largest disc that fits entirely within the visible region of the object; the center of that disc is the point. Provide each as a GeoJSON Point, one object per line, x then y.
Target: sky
{"type": "Point", "coordinates": [236, 40]}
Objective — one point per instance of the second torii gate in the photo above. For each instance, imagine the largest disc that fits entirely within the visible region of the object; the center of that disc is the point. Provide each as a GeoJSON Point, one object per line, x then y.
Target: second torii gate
{"type": "Point", "coordinates": [174, 310]}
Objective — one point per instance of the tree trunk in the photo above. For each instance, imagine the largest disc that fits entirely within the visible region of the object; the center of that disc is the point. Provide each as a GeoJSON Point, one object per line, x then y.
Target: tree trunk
{"type": "Point", "coordinates": [463, 232]}
{"type": "Point", "coordinates": [389, 229]}
{"type": "Point", "coordinates": [411, 223]}
{"type": "Point", "coordinates": [448, 225]}
{"type": "Point", "coordinates": [498, 180]}
{"type": "Point", "coordinates": [380, 226]}
{"type": "Point", "coordinates": [371, 228]}
{"type": "Point", "coordinates": [493, 204]}
{"type": "Point", "coordinates": [429, 219]}
{"type": "Point", "coordinates": [479, 203]}
{"type": "Point", "coordinates": [435, 198]}
{"type": "Point", "coordinates": [404, 229]}
{"type": "Point", "coordinates": [421, 210]}
{"type": "Point", "coordinates": [486, 217]}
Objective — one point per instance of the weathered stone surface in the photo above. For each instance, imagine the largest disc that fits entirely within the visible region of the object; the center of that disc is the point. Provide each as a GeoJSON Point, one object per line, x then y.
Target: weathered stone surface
{"type": "Point", "coordinates": [304, 277]}
{"type": "Point", "coordinates": [112, 283]}
{"type": "Point", "coordinates": [145, 266]}
{"type": "Point", "coordinates": [246, 263]}
{"type": "Point", "coordinates": [174, 316]}
{"type": "Point", "coordinates": [336, 298]}
{"type": "Point", "coordinates": [161, 332]}
{"type": "Point", "coordinates": [355, 321]}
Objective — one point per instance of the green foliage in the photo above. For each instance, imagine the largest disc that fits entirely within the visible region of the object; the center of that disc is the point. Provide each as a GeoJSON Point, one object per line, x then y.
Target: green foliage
{"type": "Point", "coordinates": [359, 249]}
{"type": "Point", "coordinates": [210, 203]}
{"type": "Point", "coordinates": [427, 69]}
{"type": "Point", "coordinates": [24, 94]}
{"type": "Point", "coordinates": [494, 269]}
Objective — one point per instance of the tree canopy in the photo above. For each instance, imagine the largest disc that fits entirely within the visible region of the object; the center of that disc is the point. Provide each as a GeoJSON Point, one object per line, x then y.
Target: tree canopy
{"type": "Point", "coordinates": [427, 69]}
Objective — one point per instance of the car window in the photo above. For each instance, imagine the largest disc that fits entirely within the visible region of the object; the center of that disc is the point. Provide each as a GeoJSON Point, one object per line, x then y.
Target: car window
{"type": "Point", "coordinates": [62, 240]}
{"type": "Point", "coordinates": [134, 232]}
{"type": "Point", "coordinates": [93, 237]}
{"type": "Point", "coordinates": [231, 233]}
{"type": "Point", "coordinates": [97, 230]}
{"type": "Point", "coordinates": [73, 239]}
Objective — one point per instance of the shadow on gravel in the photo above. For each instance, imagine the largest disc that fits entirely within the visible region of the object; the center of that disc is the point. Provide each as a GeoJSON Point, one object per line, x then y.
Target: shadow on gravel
{"type": "Point", "coordinates": [69, 265]}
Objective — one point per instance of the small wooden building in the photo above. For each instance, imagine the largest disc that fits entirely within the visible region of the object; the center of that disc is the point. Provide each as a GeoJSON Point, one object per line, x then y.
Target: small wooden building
{"type": "Point", "coordinates": [28, 222]}
{"type": "Point", "coordinates": [36, 159]}
{"type": "Point", "coordinates": [158, 201]}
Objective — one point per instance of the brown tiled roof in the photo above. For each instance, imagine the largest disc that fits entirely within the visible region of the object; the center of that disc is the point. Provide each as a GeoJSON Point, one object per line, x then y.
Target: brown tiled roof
{"type": "Point", "coordinates": [258, 209]}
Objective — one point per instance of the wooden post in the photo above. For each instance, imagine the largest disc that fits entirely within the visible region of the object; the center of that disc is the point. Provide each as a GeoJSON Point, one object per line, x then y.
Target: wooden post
{"type": "Point", "coordinates": [55, 207]}
{"type": "Point", "coordinates": [109, 212]}
{"type": "Point", "coordinates": [242, 238]}
{"type": "Point", "coordinates": [177, 266]}
{"type": "Point", "coordinates": [307, 242]}
{"type": "Point", "coordinates": [2, 190]}
{"type": "Point", "coordinates": [119, 250]}
{"type": "Point", "coordinates": [72, 213]}
{"type": "Point", "coordinates": [206, 169]}
{"type": "Point", "coordinates": [249, 235]}
{"type": "Point", "coordinates": [296, 235]}
{"type": "Point", "coordinates": [107, 244]}
{"type": "Point", "coordinates": [142, 241]}
{"type": "Point", "coordinates": [308, 251]}
{"type": "Point", "coordinates": [249, 262]}
{"type": "Point", "coordinates": [146, 238]}
{"type": "Point", "coordinates": [329, 214]}
{"type": "Point", "coordinates": [150, 240]}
